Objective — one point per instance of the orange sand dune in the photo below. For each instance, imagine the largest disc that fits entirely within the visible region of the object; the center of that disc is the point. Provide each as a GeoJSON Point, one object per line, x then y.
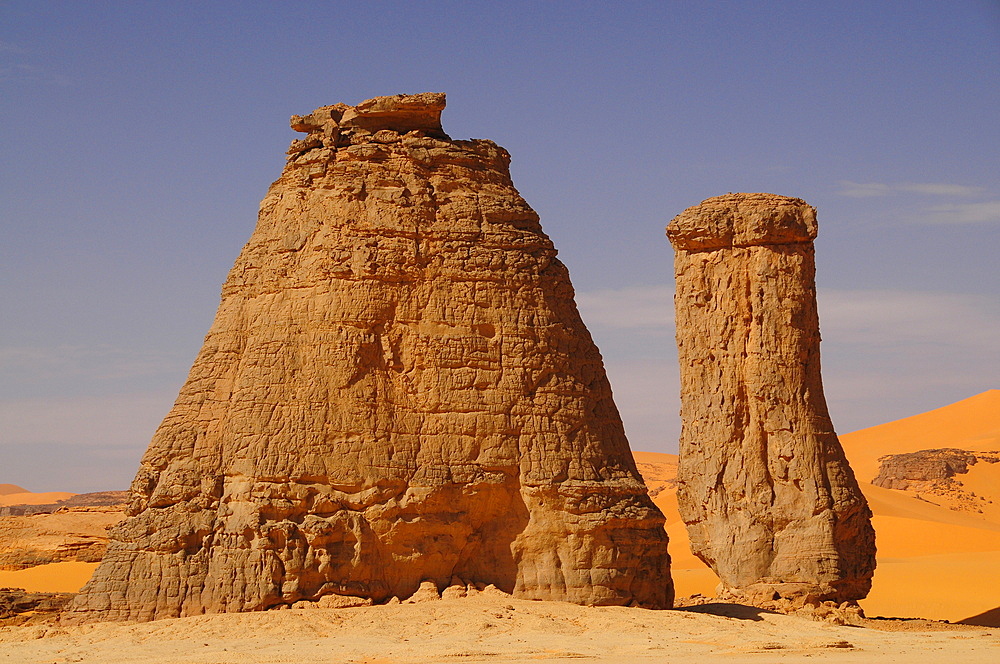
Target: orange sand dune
{"type": "Point", "coordinates": [53, 578]}
{"type": "Point", "coordinates": [691, 576]}
{"type": "Point", "coordinates": [905, 504]}
{"type": "Point", "coordinates": [970, 424]}
{"type": "Point", "coordinates": [29, 498]}
{"type": "Point", "coordinates": [934, 562]}
{"type": "Point", "coordinates": [952, 587]}
{"type": "Point", "coordinates": [11, 488]}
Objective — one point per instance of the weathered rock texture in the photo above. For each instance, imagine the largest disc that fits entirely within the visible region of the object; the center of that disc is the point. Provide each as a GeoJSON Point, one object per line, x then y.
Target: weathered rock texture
{"type": "Point", "coordinates": [397, 388]}
{"type": "Point", "coordinates": [768, 497]}
{"type": "Point", "coordinates": [899, 471]}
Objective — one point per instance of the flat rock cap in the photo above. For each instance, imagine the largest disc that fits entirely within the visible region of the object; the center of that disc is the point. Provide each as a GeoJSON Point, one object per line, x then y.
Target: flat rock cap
{"type": "Point", "coordinates": [400, 113]}
{"type": "Point", "coordinates": [742, 220]}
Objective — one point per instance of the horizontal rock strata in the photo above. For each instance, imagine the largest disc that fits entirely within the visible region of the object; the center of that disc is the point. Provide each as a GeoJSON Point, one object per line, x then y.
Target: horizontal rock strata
{"type": "Point", "coordinates": [397, 389]}
{"type": "Point", "coordinates": [768, 497]}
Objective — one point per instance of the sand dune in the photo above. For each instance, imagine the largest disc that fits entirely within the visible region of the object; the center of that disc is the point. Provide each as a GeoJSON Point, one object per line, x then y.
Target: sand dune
{"type": "Point", "coordinates": [11, 488]}
{"type": "Point", "coordinates": [935, 562]}
{"type": "Point", "coordinates": [971, 424]}
{"type": "Point", "coordinates": [489, 628]}
{"type": "Point", "coordinates": [29, 498]}
{"type": "Point", "coordinates": [51, 578]}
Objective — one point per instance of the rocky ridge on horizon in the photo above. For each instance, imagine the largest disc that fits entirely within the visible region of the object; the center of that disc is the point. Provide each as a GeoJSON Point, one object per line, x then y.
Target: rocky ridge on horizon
{"type": "Point", "coordinates": [81, 501]}
{"type": "Point", "coordinates": [69, 534]}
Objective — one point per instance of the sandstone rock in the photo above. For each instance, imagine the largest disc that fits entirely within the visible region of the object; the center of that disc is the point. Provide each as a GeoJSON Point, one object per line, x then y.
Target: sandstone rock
{"type": "Point", "coordinates": [101, 500]}
{"type": "Point", "coordinates": [69, 535]}
{"type": "Point", "coordinates": [397, 387]}
{"type": "Point", "coordinates": [934, 473]}
{"type": "Point", "coordinates": [768, 497]}
{"type": "Point", "coordinates": [427, 592]}
{"type": "Point", "coordinates": [456, 590]}
{"type": "Point", "coordinates": [342, 602]}
{"type": "Point", "coordinates": [901, 471]}
{"type": "Point", "coordinates": [17, 606]}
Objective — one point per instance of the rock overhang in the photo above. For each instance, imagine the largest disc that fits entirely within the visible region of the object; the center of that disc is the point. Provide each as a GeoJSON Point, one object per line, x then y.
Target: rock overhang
{"type": "Point", "coordinates": [741, 220]}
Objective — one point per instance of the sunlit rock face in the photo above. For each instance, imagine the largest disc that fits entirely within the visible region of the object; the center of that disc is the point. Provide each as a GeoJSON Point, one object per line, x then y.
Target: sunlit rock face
{"type": "Point", "coordinates": [768, 497]}
{"type": "Point", "coordinates": [397, 388]}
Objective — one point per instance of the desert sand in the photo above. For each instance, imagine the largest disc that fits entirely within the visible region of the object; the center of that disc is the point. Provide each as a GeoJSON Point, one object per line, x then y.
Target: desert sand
{"type": "Point", "coordinates": [24, 497]}
{"type": "Point", "coordinates": [489, 628]}
{"type": "Point", "coordinates": [971, 424]}
{"type": "Point", "coordinates": [51, 578]}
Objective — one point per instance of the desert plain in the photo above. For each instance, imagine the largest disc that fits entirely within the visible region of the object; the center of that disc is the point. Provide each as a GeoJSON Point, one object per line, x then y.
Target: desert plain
{"type": "Point", "coordinates": [935, 594]}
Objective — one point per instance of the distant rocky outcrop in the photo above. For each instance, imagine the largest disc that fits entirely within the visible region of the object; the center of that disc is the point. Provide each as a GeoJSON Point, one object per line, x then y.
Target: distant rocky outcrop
{"type": "Point", "coordinates": [100, 499]}
{"type": "Point", "coordinates": [768, 497]}
{"type": "Point", "coordinates": [397, 389]}
{"type": "Point", "coordinates": [901, 471]}
{"type": "Point", "coordinates": [71, 534]}
{"type": "Point", "coordinates": [933, 473]}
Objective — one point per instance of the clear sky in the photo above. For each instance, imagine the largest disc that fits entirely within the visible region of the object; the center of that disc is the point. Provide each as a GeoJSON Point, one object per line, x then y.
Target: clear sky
{"type": "Point", "coordinates": [137, 138]}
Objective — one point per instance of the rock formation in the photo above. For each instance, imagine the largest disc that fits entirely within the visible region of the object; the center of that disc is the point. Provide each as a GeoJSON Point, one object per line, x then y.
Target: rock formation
{"type": "Point", "coordinates": [20, 607]}
{"type": "Point", "coordinates": [73, 534]}
{"type": "Point", "coordinates": [901, 471]}
{"type": "Point", "coordinates": [397, 388]}
{"type": "Point", "coordinates": [104, 500]}
{"type": "Point", "coordinates": [768, 497]}
{"type": "Point", "coordinates": [933, 473]}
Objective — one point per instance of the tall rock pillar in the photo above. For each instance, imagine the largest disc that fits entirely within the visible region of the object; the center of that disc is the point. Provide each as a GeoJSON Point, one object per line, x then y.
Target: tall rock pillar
{"type": "Point", "coordinates": [397, 388]}
{"type": "Point", "coordinates": [768, 497]}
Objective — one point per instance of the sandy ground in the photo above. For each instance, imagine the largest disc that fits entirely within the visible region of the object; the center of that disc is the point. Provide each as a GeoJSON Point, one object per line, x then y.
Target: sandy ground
{"type": "Point", "coordinates": [489, 629]}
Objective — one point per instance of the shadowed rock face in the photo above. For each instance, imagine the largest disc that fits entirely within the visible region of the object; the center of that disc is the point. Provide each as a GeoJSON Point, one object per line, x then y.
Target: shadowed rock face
{"type": "Point", "coordinates": [397, 387]}
{"type": "Point", "coordinates": [768, 497]}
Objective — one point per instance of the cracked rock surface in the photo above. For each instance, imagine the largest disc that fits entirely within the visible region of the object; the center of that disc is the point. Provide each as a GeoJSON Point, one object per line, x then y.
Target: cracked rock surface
{"type": "Point", "coordinates": [768, 497]}
{"type": "Point", "coordinates": [397, 389]}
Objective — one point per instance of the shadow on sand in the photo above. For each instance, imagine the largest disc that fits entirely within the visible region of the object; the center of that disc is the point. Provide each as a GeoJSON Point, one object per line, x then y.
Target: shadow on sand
{"type": "Point", "coordinates": [989, 618]}
{"type": "Point", "coordinates": [729, 610]}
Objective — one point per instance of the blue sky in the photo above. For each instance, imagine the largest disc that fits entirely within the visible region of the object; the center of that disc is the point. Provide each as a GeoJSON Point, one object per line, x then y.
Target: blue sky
{"type": "Point", "coordinates": [137, 138]}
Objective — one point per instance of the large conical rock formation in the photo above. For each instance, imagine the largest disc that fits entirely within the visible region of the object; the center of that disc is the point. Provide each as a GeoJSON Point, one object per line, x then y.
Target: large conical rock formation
{"type": "Point", "coordinates": [769, 500]}
{"type": "Point", "coordinates": [397, 387]}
